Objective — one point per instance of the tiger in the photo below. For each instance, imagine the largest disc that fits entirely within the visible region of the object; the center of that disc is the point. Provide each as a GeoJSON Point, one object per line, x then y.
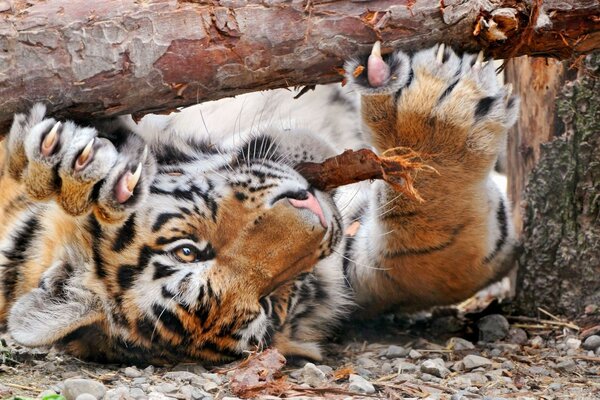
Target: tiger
{"type": "Point", "coordinates": [191, 237]}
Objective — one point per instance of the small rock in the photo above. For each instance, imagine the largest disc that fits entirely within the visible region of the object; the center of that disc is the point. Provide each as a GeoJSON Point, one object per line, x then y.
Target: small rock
{"type": "Point", "coordinates": [395, 352]}
{"type": "Point", "coordinates": [566, 365]}
{"type": "Point", "coordinates": [139, 381]}
{"type": "Point", "coordinates": [216, 378]}
{"type": "Point", "coordinates": [386, 368]}
{"type": "Point", "coordinates": [472, 361]}
{"type": "Point", "coordinates": [138, 394]}
{"type": "Point", "coordinates": [404, 366]}
{"type": "Point", "coordinates": [166, 387]}
{"type": "Point", "coordinates": [592, 342]}
{"type": "Point", "coordinates": [537, 370]}
{"type": "Point", "coordinates": [313, 375]}
{"type": "Point", "coordinates": [555, 386]}
{"type": "Point", "coordinates": [414, 354]}
{"type": "Point", "coordinates": [327, 370]}
{"type": "Point", "coordinates": [4, 6]}
{"type": "Point", "coordinates": [149, 370]}
{"type": "Point", "coordinates": [495, 352]}
{"type": "Point", "coordinates": [74, 387]}
{"type": "Point", "coordinates": [517, 336]}
{"type": "Point", "coordinates": [493, 327]}
{"type": "Point", "coordinates": [590, 309]}
{"type": "Point", "coordinates": [194, 368]}
{"type": "Point", "coordinates": [86, 396]}
{"type": "Point", "coordinates": [458, 344]}
{"type": "Point", "coordinates": [366, 362]}
{"type": "Point", "coordinates": [476, 379]}
{"type": "Point", "coordinates": [435, 367]}
{"type": "Point", "coordinates": [193, 393]}
{"type": "Point", "coordinates": [536, 342]}
{"type": "Point", "coordinates": [573, 343]}
{"type": "Point", "coordinates": [210, 387]}
{"type": "Point", "coordinates": [508, 365]}
{"type": "Point", "coordinates": [132, 372]}
{"type": "Point", "coordinates": [360, 385]}
{"type": "Point", "coordinates": [427, 377]}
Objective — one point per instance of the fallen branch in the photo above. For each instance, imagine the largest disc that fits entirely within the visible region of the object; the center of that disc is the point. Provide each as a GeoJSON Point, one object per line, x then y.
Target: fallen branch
{"type": "Point", "coordinates": [104, 58]}
{"type": "Point", "coordinates": [355, 166]}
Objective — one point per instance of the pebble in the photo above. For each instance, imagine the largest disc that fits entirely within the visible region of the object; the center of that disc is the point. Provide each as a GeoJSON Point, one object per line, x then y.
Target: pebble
{"type": "Point", "coordinates": [74, 387]}
{"type": "Point", "coordinates": [435, 367]}
{"type": "Point", "coordinates": [472, 361]}
{"type": "Point", "coordinates": [132, 372]}
{"type": "Point", "coordinates": [536, 342]}
{"type": "Point", "coordinates": [458, 344]}
{"type": "Point", "coordinates": [166, 387]}
{"type": "Point", "coordinates": [394, 351]}
{"type": "Point", "coordinates": [360, 385]}
{"type": "Point", "coordinates": [566, 365]}
{"type": "Point", "coordinates": [493, 327]}
{"type": "Point", "coordinates": [366, 362]}
{"type": "Point", "coordinates": [592, 342]}
{"type": "Point", "coordinates": [414, 354]}
{"type": "Point", "coordinates": [555, 386]}
{"type": "Point", "coordinates": [86, 396]}
{"type": "Point", "coordinates": [573, 343]}
{"type": "Point", "coordinates": [327, 370]}
{"type": "Point", "coordinates": [313, 375]}
{"type": "Point", "coordinates": [138, 394]}
{"type": "Point", "coordinates": [404, 366]}
{"type": "Point", "coordinates": [517, 336]}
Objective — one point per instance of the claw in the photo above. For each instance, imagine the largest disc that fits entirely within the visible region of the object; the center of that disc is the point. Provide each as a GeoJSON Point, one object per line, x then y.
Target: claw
{"type": "Point", "coordinates": [378, 72]}
{"type": "Point", "coordinates": [479, 60]}
{"type": "Point", "coordinates": [135, 178]}
{"type": "Point", "coordinates": [440, 53]}
{"type": "Point", "coordinates": [85, 155]}
{"type": "Point", "coordinates": [376, 50]}
{"type": "Point", "coordinates": [50, 140]}
{"type": "Point", "coordinates": [145, 154]}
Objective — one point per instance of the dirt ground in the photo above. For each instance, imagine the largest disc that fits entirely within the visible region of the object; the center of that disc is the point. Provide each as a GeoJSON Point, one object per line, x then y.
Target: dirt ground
{"type": "Point", "coordinates": [435, 356]}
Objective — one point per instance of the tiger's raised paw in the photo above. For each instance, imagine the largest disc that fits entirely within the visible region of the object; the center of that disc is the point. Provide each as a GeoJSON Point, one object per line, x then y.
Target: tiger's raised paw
{"type": "Point", "coordinates": [78, 167]}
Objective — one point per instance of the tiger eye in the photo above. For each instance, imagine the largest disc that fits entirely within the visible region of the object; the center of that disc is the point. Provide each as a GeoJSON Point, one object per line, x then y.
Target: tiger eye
{"type": "Point", "coordinates": [186, 254]}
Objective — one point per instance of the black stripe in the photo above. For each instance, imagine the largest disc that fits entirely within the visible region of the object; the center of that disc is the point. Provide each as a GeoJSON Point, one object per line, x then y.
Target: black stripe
{"type": "Point", "coordinates": [501, 217]}
{"type": "Point", "coordinates": [483, 107]}
{"type": "Point", "coordinates": [162, 270]}
{"type": "Point", "coordinates": [125, 235]}
{"type": "Point", "coordinates": [97, 236]}
{"type": "Point", "coordinates": [163, 218]}
{"type": "Point", "coordinates": [169, 320]}
{"type": "Point", "coordinates": [17, 255]}
{"type": "Point", "coordinates": [448, 90]}
{"type": "Point", "coordinates": [126, 275]}
{"type": "Point", "coordinates": [427, 249]}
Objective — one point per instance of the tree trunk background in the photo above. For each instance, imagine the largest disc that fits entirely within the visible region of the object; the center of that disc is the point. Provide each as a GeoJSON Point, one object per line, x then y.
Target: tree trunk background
{"type": "Point", "coordinates": [103, 58]}
{"type": "Point", "coordinates": [554, 183]}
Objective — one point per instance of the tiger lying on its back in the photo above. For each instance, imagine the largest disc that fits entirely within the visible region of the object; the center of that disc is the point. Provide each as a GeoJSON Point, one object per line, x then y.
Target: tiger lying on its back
{"type": "Point", "coordinates": [174, 244]}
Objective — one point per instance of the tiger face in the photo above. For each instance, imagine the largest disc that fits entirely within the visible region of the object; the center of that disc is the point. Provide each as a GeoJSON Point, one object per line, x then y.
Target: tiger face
{"type": "Point", "coordinates": [191, 263]}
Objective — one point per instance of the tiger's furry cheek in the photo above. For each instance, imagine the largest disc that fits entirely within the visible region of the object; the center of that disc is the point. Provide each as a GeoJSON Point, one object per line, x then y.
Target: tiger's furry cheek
{"type": "Point", "coordinates": [45, 315]}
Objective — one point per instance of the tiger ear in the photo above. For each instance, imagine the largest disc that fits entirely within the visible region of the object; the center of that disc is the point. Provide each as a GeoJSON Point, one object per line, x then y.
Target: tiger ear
{"type": "Point", "coordinates": [59, 306]}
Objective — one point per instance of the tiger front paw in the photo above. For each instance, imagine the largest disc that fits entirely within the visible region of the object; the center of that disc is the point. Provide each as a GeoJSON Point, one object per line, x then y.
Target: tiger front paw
{"type": "Point", "coordinates": [77, 167]}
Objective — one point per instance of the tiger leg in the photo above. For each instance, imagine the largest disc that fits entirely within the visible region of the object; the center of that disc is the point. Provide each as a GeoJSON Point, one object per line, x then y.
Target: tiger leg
{"type": "Point", "coordinates": [449, 109]}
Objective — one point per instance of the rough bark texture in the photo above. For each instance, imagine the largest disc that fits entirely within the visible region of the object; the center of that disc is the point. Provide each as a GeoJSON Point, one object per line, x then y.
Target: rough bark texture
{"type": "Point", "coordinates": [556, 156]}
{"type": "Point", "coordinates": [100, 58]}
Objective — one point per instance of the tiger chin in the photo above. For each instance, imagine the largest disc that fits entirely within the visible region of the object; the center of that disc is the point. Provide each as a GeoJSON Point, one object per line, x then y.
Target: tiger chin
{"type": "Point", "coordinates": [173, 241]}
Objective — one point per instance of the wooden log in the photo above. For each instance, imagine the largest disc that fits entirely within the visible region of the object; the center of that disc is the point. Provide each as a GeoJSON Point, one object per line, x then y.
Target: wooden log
{"type": "Point", "coordinates": [94, 59]}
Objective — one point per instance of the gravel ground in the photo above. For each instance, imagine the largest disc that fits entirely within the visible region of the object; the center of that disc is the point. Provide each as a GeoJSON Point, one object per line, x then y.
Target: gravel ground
{"type": "Point", "coordinates": [444, 356]}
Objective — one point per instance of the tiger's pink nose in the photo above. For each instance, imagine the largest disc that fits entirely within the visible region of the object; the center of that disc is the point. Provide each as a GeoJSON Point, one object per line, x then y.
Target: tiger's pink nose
{"type": "Point", "coordinates": [311, 203]}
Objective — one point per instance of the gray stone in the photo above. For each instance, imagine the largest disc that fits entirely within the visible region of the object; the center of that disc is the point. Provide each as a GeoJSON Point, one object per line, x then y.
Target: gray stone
{"type": "Point", "coordinates": [86, 396]}
{"type": "Point", "coordinates": [394, 351]}
{"type": "Point", "coordinates": [313, 375]}
{"type": "Point", "coordinates": [74, 387]}
{"type": "Point", "coordinates": [360, 385]}
{"type": "Point", "coordinates": [476, 378]}
{"type": "Point", "coordinates": [414, 354]}
{"type": "Point", "coordinates": [493, 327]}
{"type": "Point", "coordinates": [472, 361]}
{"type": "Point", "coordinates": [139, 381]}
{"type": "Point", "coordinates": [210, 387]}
{"type": "Point", "coordinates": [566, 365]}
{"type": "Point", "coordinates": [138, 394]}
{"type": "Point", "coordinates": [132, 372]}
{"type": "Point", "coordinates": [193, 393]}
{"type": "Point", "coordinates": [435, 367]}
{"type": "Point", "coordinates": [592, 342]}
{"type": "Point", "coordinates": [366, 362]}
{"type": "Point", "coordinates": [536, 342]}
{"type": "Point", "coordinates": [555, 386]}
{"type": "Point", "coordinates": [327, 370]}
{"type": "Point", "coordinates": [386, 368]}
{"type": "Point", "coordinates": [216, 378]}
{"type": "Point", "coordinates": [517, 336]}
{"type": "Point", "coordinates": [537, 370]}
{"type": "Point", "coordinates": [186, 377]}
{"type": "Point", "coordinates": [149, 370]}
{"type": "Point", "coordinates": [459, 344]}
{"type": "Point", "coordinates": [404, 366]}
{"type": "Point", "coordinates": [117, 393]}
{"type": "Point", "coordinates": [573, 343]}
{"type": "Point", "coordinates": [166, 387]}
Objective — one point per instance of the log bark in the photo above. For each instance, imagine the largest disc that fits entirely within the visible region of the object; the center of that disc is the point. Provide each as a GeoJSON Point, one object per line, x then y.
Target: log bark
{"type": "Point", "coordinates": [554, 180]}
{"type": "Point", "coordinates": [109, 57]}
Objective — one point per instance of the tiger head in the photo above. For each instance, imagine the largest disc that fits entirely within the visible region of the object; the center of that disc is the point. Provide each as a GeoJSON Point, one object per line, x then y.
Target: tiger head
{"type": "Point", "coordinates": [208, 264]}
